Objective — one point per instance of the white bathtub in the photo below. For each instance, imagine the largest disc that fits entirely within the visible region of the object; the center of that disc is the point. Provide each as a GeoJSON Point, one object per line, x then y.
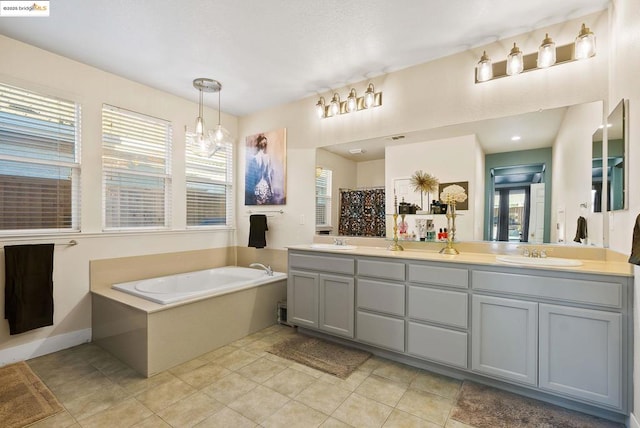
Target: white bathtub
{"type": "Point", "coordinates": [203, 283]}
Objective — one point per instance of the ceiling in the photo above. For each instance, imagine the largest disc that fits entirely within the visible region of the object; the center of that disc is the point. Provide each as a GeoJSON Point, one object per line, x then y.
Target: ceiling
{"type": "Point", "coordinates": [271, 52]}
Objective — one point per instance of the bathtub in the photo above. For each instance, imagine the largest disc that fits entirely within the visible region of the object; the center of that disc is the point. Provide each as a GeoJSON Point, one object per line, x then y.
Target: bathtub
{"type": "Point", "coordinates": [198, 284]}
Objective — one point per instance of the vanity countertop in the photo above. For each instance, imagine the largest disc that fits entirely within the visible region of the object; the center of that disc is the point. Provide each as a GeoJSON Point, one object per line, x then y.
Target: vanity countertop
{"type": "Point", "coordinates": [588, 266]}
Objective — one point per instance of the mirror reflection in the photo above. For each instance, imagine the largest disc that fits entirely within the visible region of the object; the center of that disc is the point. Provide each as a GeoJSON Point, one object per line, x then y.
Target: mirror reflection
{"type": "Point", "coordinates": [528, 189]}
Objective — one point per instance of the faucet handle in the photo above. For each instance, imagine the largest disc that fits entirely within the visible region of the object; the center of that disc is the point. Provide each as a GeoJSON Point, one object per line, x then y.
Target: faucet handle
{"type": "Point", "coordinates": [526, 252]}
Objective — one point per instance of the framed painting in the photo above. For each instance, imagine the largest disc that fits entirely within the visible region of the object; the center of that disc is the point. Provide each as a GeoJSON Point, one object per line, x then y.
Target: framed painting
{"type": "Point", "coordinates": [265, 174]}
{"type": "Point", "coordinates": [465, 185]}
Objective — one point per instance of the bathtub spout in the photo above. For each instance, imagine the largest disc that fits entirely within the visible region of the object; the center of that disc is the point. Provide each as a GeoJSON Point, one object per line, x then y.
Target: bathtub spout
{"type": "Point", "coordinates": [266, 268]}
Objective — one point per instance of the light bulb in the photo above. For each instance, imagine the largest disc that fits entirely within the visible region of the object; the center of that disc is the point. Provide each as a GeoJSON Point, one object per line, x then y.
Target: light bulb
{"type": "Point", "coordinates": [352, 101]}
{"type": "Point", "coordinates": [320, 108]}
{"type": "Point", "coordinates": [514, 61]}
{"type": "Point", "coordinates": [199, 126]}
{"type": "Point", "coordinates": [546, 53]}
{"type": "Point", "coordinates": [585, 45]}
{"type": "Point", "coordinates": [484, 70]}
{"type": "Point", "coordinates": [335, 105]}
{"type": "Point", "coordinates": [369, 96]}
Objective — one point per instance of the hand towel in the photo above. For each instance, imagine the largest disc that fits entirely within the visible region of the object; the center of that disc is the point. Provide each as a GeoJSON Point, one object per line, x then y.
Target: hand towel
{"type": "Point", "coordinates": [28, 289]}
{"type": "Point", "coordinates": [635, 244]}
{"type": "Point", "coordinates": [257, 229]}
{"type": "Point", "coordinates": [581, 230]}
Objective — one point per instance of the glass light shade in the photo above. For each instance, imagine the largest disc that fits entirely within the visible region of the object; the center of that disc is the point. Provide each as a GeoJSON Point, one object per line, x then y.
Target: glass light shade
{"type": "Point", "coordinates": [352, 101]}
{"type": "Point", "coordinates": [484, 69]}
{"type": "Point", "coordinates": [585, 45]}
{"type": "Point", "coordinates": [369, 96]}
{"type": "Point", "coordinates": [199, 125]}
{"type": "Point", "coordinates": [335, 105]}
{"type": "Point", "coordinates": [515, 64]}
{"type": "Point", "coordinates": [200, 145]}
{"type": "Point", "coordinates": [220, 136]}
{"type": "Point", "coordinates": [546, 53]}
{"type": "Point", "coordinates": [320, 108]}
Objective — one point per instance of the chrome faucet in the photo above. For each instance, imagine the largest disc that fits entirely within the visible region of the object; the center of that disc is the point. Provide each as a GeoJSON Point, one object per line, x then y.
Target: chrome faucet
{"type": "Point", "coordinates": [261, 266]}
{"type": "Point", "coordinates": [340, 241]}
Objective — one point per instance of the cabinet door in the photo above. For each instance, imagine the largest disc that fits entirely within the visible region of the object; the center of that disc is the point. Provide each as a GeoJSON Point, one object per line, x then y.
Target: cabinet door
{"type": "Point", "coordinates": [336, 304]}
{"type": "Point", "coordinates": [504, 338]}
{"type": "Point", "coordinates": [580, 353]}
{"type": "Point", "coordinates": [302, 298]}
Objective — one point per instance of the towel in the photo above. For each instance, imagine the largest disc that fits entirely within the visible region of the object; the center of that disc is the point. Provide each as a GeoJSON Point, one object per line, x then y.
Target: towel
{"type": "Point", "coordinates": [581, 231]}
{"type": "Point", "coordinates": [635, 244]}
{"type": "Point", "coordinates": [257, 229]}
{"type": "Point", "coordinates": [28, 287]}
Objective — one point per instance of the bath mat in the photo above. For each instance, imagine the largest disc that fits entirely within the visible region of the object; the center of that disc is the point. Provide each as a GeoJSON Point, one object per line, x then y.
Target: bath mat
{"type": "Point", "coordinates": [320, 354]}
{"type": "Point", "coordinates": [485, 407]}
{"type": "Point", "coordinates": [24, 399]}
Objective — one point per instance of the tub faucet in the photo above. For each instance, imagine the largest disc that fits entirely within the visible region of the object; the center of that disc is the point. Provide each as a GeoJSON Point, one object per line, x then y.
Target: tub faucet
{"type": "Point", "coordinates": [261, 266]}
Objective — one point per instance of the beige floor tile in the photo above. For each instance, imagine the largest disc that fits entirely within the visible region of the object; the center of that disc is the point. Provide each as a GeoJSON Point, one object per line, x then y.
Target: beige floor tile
{"type": "Point", "coordinates": [124, 414]}
{"type": "Point", "coordinates": [396, 371]}
{"type": "Point", "coordinates": [308, 370]}
{"type": "Point", "coordinates": [60, 374]}
{"type": "Point", "coordinates": [351, 383]}
{"type": "Point", "coordinates": [80, 387]}
{"type": "Point", "coordinates": [229, 388]}
{"type": "Point", "coordinates": [134, 383]}
{"type": "Point", "coordinates": [295, 415]}
{"type": "Point", "coordinates": [383, 390]}
{"type": "Point", "coordinates": [323, 396]}
{"type": "Point", "coordinates": [371, 364]}
{"type": "Point", "coordinates": [226, 418]}
{"type": "Point", "coordinates": [452, 423]}
{"type": "Point", "coordinates": [426, 406]}
{"type": "Point", "coordinates": [258, 347]}
{"type": "Point", "coordinates": [334, 423]}
{"type": "Point", "coordinates": [436, 384]}
{"type": "Point", "coordinates": [60, 420]}
{"type": "Point", "coordinates": [88, 404]}
{"type": "Point", "coordinates": [259, 403]}
{"type": "Point", "coordinates": [360, 411]}
{"type": "Point", "coordinates": [236, 359]}
{"type": "Point", "coordinates": [290, 382]}
{"type": "Point", "coordinates": [277, 359]}
{"type": "Point", "coordinates": [261, 370]}
{"type": "Point", "coordinates": [153, 421]}
{"type": "Point", "coordinates": [204, 375]}
{"type": "Point", "coordinates": [244, 342]}
{"type": "Point", "coordinates": [218, 353]}
{"type": "Point", "coordinates": [190, 410]}
{"type": "Point", "coordinates": [162, 396]}
{"type": "Point", "coordinates": [107, 363]}
{"type": "Point", "coordinates": [400, 419]}
{"type": "Point", "coordinates": [188, 366]}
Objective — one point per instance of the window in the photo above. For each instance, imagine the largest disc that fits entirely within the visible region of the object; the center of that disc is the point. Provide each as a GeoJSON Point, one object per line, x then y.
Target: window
{"type": "Point", "coordinates": [39, 162]}
{"type": "Point", "coordinates": [136, 170]}
{"type": "Point", "coordinates": [323, 198]}
{"type": "Point", "coordinates": [209, 191]}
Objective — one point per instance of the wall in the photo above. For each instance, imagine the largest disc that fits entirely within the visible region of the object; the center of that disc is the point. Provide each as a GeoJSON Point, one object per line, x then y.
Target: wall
{"type": "Point", "coordinates": [370, 173]}
{"type": "Point", "coordinates": [34, 69]}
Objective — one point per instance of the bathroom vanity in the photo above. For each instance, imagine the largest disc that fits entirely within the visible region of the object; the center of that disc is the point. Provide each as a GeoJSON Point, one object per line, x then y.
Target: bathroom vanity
{"type": "Point", "coordinates": [560, 334]}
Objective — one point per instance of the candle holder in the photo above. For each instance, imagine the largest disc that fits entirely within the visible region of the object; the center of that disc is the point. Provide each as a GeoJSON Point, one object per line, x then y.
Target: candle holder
{"type": "Point", "coordinates": [395, 246]}
{"type": "Point", "coordinates": [451, 224]}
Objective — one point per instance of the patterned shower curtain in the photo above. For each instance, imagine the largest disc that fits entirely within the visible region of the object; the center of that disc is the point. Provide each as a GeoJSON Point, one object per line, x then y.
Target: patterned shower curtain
{"type": "Point", "coordinates": [362, 213]}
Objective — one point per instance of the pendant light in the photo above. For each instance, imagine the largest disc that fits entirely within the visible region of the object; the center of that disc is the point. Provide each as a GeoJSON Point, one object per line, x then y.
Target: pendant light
{"type": "Point", "coordinates": [546, 53]}
{"type": "Point", "coordinates": [515, 64]}
{"type": "Point", "coordinates": [585, 45]}
{"type": "Point", "coordinates": [352, 101]}
{"type": "Point", "coordinates": [202, 142]}
{"type": "Point", "coordinates": [484, 69]}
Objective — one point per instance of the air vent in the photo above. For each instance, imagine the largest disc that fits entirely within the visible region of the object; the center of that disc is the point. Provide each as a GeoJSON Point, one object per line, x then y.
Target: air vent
{"type": "Point", "coordinates": [397, 137]}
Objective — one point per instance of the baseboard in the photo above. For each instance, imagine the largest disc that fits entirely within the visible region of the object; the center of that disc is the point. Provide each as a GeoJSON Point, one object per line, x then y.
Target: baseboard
{"type": "Point", "coordinates": [44, 346]}
{"type": "Point", "coordinates": [633, 421]}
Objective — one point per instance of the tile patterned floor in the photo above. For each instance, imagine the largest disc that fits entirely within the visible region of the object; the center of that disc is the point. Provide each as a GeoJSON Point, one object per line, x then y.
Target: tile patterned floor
{"type": "Point", "coordinates": [241, 385]}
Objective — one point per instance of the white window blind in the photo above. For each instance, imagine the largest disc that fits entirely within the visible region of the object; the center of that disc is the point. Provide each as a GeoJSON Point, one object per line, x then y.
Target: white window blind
{"type": "Point", "coordinates": [323, 198]}
{"type": "Point", "coordinates": [39, 162]}
{"type": "Point", "coordinates": [136, 170]}
{"type": "Point", "coordinates": [209, 190]}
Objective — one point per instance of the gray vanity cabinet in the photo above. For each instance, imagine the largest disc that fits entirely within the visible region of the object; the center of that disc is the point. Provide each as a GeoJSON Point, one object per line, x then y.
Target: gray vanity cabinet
{"type": "Point", "coordinates": [504, 339]}
{"type": "Point", "coordinates": [336, 304]}
{"type": "Point", "coordinates": [575, 342]}
{"type": "Point", "coordinates": [302, 298]}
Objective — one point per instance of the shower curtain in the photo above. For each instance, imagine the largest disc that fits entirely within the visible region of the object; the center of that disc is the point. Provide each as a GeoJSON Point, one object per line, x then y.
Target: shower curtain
{"type": "Point", "coordinates": [362, 212]}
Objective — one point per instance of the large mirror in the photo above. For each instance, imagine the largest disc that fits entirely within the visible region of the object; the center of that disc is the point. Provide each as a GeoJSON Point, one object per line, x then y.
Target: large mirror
{"type": "Point", "coordinates": [528, 189]}
{"type": "Point", "coordinates": [615, 174]}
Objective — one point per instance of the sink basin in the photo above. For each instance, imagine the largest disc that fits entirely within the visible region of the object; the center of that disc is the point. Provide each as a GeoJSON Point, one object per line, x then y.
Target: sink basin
{"type": "Point", "coordinates": [534, 261]}
{"type": "Point", "coordinates": [333, 247]}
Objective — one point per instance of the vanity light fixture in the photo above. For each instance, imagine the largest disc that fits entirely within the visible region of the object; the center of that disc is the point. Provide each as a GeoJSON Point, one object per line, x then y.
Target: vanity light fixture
{"type": "Point", "coordinates": [352, 104]}
{"type": "Point", "coordinates": [548, 55]}
{"type": "Point", "coordinates": [514, 61]}
{"type": "Point", "coordinates": [202, 142]}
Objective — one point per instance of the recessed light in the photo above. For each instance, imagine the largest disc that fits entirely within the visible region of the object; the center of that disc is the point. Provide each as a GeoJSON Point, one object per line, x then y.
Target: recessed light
{"type": "Point", "coordinates": [515, 138]}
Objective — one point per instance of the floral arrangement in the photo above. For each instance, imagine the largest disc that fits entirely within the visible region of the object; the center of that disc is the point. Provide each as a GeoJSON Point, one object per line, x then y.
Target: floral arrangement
{"type": "Point", "coordinates": [453, 193]}
{"type": "Point", "coordinates": [424, 183]}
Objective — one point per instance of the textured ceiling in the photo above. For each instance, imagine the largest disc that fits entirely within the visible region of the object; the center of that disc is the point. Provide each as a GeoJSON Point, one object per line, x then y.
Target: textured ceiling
{"type": "Point", "coordinates": [270, 52]}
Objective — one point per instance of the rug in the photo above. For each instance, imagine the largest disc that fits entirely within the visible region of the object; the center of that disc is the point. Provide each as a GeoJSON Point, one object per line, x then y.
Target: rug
{"type": "Point", "coordinates": [486, 407]}
{"type": "Point", "coordinates": [320, 354]}
{"type": "Point", "coordinates": [24, 399]}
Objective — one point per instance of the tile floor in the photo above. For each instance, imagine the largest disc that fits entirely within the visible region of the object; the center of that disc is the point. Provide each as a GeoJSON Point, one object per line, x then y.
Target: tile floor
{"type": "Point", "coordinates": [241, 385]}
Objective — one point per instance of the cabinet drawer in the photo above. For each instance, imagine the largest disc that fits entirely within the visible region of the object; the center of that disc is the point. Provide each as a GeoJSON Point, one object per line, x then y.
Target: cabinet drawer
{"type": "Point", "coordinates": [381, 296]}
{"type": "Point", "coordinates": [438, 344]}
{"type": "Point", "coordinates": [441, 306]}
{"type": "Point", "coordinates": [570, 290]}
{"type": "Point", "coordinates": [382, 331]}
{"type": "Point", "coordinates": [322, 263]}
{"type": "Point", "coordinates": [436, 275]}
{"type": "Point", "coordinates": [383, 270]}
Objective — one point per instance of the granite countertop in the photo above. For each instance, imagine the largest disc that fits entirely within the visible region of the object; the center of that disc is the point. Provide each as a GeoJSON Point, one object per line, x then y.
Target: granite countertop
{"type": "Point", "coordinates": [617, 268]}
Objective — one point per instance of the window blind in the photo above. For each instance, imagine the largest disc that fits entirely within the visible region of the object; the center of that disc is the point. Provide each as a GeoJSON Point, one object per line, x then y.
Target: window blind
{"type": "Point", "coordinates": [136, 170]}
{"type": "Point", "coordinates": [39, 162]}
{"type": "Point", "coordinates": [323, 198]}
{"type": "Point", "coordinates": [209, 188]}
